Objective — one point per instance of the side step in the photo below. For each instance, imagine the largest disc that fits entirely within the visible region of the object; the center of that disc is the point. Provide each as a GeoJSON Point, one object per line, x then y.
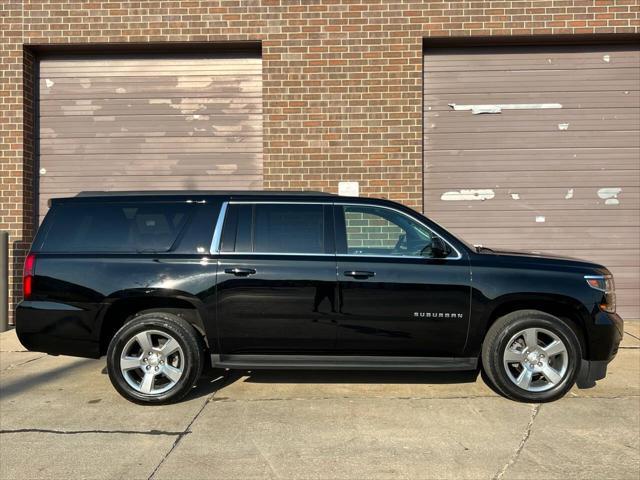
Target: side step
{"type": "Point", "coordinates": [342, 362]}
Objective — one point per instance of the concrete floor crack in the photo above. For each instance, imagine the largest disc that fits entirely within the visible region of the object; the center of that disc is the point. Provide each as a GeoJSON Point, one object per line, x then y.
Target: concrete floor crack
{"type": "Point", "coordinates": [187, 430]}
{"type": "Point", "coordinates": [525, 436]}
{"type": "Point", "coordinates": [15, 365]}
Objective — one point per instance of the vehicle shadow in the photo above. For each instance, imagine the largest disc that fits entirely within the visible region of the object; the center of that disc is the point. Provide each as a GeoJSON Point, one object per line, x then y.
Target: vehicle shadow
{"type": "Point", "coordinates": [215, 380]}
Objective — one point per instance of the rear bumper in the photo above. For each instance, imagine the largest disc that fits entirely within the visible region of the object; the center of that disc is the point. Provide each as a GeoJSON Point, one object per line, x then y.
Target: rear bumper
{"type": "Point", "coordinates": [57, 329]}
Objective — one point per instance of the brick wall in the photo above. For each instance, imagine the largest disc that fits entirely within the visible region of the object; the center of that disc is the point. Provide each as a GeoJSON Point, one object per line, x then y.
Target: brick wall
{"type": "Point", "coordinates": [342, 79]}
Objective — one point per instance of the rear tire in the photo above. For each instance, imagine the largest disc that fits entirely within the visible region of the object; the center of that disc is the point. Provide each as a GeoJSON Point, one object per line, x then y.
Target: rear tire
{"type": "Point", "coordinates": [531, 356]}
{"type": "Point", "coordinates": [155, 358]}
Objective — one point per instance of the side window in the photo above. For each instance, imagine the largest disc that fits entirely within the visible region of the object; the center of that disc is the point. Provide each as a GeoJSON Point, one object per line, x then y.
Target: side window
{"type": "Point", "coordinates": [95, 227]}
{"type": "Point", "coordinates": [288, 228]}
{"type": "Point", "coordinates": [237, 234]}
{"type": "Point", "coordinates": [380, 231]}
{"type": "Point", "coordinates": [274, 228]}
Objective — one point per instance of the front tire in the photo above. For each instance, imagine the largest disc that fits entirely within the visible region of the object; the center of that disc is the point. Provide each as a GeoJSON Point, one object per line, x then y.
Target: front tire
{"type": "Point", "coordinates": [531, 356]}
{"type": "Point", "coordinates": [156, 358]}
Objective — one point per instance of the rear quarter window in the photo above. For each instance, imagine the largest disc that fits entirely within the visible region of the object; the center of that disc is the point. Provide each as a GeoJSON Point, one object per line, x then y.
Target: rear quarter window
{"type": "Point", "coordinates": [131, 228]}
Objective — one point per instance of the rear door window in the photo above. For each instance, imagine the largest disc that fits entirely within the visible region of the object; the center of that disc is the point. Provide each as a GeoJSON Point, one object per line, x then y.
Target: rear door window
{"type": "Point", "coordinates": [294, 228]}
{"type": "Point", "coordinates": [277, 228]}
{"type": "Point", "coordinates": [143, 227]}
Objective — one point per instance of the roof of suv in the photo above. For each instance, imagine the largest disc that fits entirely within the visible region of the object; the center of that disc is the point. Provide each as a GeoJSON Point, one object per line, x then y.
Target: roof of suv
{"type": "Point", "coordinates": [212, 193]}
{"type": "Point", "coordinates": [185, 195]}
{"type": "Point", "coordinates": [199, 195]}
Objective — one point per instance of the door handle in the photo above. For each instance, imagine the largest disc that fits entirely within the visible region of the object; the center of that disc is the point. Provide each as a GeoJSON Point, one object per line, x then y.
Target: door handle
{"type": "Point", "coordinates": [240, 272]}
{"type": "Point", "coordinates": [359, 274]}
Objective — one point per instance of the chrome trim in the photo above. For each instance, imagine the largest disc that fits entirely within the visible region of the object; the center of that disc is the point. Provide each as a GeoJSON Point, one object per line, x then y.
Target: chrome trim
{"type": "Point", "coordinates": [217, 233]}
{"type": "Point", "coordinates": [277, 202]}
{"type": "Point", "coordinates": [282, 253]}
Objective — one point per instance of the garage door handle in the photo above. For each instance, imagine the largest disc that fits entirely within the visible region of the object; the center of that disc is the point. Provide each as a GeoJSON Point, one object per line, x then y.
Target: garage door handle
{"type": "Point", "coordinates": [240, 272]}
{"type": "Point", "coordinates": [359, 274]}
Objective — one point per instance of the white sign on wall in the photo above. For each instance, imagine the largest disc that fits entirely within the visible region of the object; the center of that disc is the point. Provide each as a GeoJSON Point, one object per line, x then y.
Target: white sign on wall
{"type": "Point", "coordinates": [349, 189]}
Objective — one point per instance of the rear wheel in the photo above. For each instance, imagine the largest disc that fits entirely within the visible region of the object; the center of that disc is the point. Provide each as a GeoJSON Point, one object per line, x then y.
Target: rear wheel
{"type": "Point", "coordinates": [155, 358]}
{"type": "Point", "coordinates": [531, 356]}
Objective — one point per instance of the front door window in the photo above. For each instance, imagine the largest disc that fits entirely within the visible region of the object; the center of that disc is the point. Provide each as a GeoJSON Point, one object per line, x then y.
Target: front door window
{"type": "Point", "coordinates": [384, 232]}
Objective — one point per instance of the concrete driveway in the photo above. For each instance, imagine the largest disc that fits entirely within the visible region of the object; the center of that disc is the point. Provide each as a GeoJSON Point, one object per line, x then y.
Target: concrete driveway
{"type": "Point", "coordinates": [60, 418]}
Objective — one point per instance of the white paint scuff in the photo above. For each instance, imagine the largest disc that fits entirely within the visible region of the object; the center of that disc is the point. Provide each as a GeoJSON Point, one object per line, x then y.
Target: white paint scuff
{"type": "Point", "coordinates": [497, 108]}
{"type": "Point", "coordinates": [49, 83]}
{"type": "Point", "coordinates": [515, 196]}
{"type": "Point", "coordinates": [569, 194]}
{"type": "Point", "coordinates": [482, 194]}
{"type": "Point", "coordinates": [610, 195]}
{"type": "Point", "coordinates": [563, 126]}
{"type": "Point", "coordinates": [540, 219]}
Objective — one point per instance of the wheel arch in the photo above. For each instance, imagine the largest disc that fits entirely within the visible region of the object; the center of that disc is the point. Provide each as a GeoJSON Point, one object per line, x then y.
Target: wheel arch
{"type": "Point", "coordinates": [565, 308]}
{"type": "Point", "coordinates": [121, 310]}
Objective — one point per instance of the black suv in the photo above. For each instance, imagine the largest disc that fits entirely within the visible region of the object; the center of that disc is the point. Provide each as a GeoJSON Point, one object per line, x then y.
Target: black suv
{"type": "Point", "coordinates": [164, 282]}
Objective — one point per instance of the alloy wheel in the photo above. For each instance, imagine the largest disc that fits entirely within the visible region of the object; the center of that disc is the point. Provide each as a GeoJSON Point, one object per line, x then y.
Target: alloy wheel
{"type": "Point", "coordinates": [536, 359]}
{"type": "Point", "coordinates": [152, 362]}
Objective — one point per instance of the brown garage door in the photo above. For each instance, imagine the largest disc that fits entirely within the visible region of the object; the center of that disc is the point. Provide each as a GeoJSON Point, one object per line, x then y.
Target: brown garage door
{"type": "Point", "coordinates": [538, 149]}
{"type": "Point", "coordinates": [149, 122]}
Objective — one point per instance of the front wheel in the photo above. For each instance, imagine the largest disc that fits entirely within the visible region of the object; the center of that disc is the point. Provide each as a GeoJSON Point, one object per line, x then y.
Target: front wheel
{"type": "Point", "coordinates": [531, 356]}
{"type": "Point", "coordinates": [155, 358]}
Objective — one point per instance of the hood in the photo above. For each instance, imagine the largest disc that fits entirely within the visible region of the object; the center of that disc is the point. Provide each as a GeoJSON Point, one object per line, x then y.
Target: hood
{"type": "Point", "coordinates": [539, 257]}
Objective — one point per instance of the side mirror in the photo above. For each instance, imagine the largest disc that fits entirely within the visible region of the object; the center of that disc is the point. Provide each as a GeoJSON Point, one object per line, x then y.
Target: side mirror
{"type": "Point", "coordinates": [439, 249]}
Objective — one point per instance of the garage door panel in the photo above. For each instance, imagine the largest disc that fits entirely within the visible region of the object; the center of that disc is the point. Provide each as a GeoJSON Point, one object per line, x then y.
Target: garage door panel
{"type": "Point", "coordinates": [565, 180]}
{"type": "Point", "coordinates": [148, 122]}
{"type": "Point", "coordinates": [154, 125]}
{"type": "Point", "coordinates": [108, 164]}
{"type": "Point", "coordinates": [605, 99]}
{"type": "Point", "coordinates": [149, 66]}
{"type": "Point", "coordinates": [131, 90]}
{"type": "Point", "coordinates": [150, 106]}
{"type": "Point", "coordinates": [560, 75]}
{"type": "Point", "coordinates": [539, 121]}
{"type": "Point", "coordinates": [520, 159]}
{"type": "Point", "coordinates": [527, 216]}
{"type": "Point", "coordinates": [623, 98]}
{"type": "Point", "coordinates": [533, 58]}
{"type": "Point", "coordinates": [516, 85]}
{"type": "Point", "coordinates": [548, 239]}
{"type": "Point", "coordinates": [553, 139]}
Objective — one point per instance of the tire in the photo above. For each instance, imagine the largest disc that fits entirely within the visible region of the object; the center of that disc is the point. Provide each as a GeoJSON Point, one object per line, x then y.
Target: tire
{"type": "Point", "coordinates": [162, 372]}
{"type": "Point", "coordinates": [531, 356]}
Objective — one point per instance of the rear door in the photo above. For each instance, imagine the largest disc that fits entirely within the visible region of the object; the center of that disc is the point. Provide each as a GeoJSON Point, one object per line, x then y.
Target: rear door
{"type": "Point", "coordinates": [394, 297]}
{"type": "Point", "coordinates": [277, 279]}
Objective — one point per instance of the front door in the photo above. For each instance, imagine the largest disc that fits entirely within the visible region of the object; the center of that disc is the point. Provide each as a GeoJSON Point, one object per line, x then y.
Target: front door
{"type": "Point", "coordinates": [395, 297]}
{"type": "Point", "coordinates": [276, 284]}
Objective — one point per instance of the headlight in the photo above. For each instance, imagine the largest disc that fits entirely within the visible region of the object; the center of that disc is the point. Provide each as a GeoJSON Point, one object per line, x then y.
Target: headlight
{"type": "Point", "coordinates": [605, 284]}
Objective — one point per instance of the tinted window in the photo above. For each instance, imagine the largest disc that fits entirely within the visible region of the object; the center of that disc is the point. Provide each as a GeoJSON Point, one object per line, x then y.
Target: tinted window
{"type": "Point", "coordinates": [292, 228]}
{"type": "Point", "coordinates": [237, 234]}
{"type": "Point", "coordinates": [381, 231]}
{"type": "Point", "coordinates": [151, 227]}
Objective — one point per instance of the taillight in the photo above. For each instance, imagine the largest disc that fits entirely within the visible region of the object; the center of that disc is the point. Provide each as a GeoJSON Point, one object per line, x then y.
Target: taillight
{"type": "Point", "coordinates": [27, 275]}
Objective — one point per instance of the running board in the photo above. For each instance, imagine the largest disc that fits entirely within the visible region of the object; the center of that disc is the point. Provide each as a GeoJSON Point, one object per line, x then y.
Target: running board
{"type": "Point", "coordinates": [342, 362]}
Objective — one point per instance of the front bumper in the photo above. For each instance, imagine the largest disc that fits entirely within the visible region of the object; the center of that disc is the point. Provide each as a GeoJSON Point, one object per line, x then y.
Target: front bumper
{"type": "Point", "coordinates": [604, 340]}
